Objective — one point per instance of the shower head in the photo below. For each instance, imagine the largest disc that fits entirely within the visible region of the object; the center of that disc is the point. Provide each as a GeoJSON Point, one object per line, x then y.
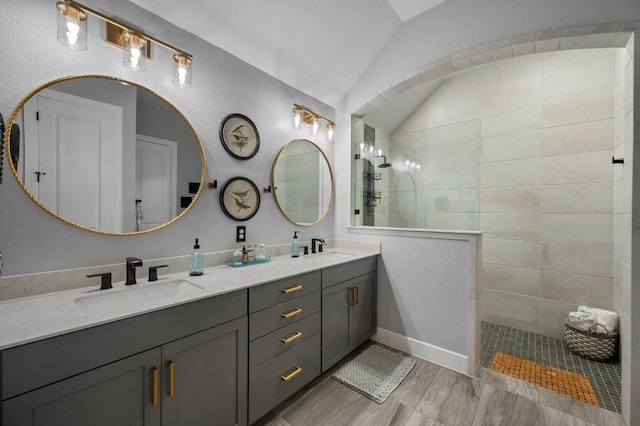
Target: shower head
{"type": "Point", "coordinates": [384, 164]}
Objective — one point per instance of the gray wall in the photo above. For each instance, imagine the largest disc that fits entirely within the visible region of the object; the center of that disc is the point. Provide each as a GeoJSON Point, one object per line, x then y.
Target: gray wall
{"type": "Point", "coordinates": [33, 241]}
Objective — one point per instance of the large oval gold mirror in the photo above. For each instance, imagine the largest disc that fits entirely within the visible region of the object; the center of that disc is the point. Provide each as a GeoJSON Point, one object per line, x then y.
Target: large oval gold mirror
{"type": "Point", "coordinates": [105, 155]}
{"type": "Point", "coordinates": [303, 182]}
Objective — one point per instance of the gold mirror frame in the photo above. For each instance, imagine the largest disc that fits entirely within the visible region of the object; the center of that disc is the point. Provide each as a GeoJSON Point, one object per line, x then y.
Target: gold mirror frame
{"type": "Point", "coordinates": [19, 107]}
{"type": "Point", "coordinates": [275, 192]}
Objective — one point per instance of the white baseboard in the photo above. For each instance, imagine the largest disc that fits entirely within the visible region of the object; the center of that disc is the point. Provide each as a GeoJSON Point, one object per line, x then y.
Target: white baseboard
{"type": "Point", "coordinates": [434, 354]}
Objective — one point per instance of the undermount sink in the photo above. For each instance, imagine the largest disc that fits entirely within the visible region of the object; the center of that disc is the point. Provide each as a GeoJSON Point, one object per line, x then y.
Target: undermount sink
{"type": "Point", "coordinates": [105, 301]}
{"type": "Point", "coordinates": [331, 255]}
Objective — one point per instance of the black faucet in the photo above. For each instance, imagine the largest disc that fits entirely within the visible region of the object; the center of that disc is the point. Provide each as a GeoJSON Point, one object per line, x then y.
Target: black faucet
{"type": "Point", "coordinates": [320, 242]}
{"type": "Point", "coordinates": [132, 263]}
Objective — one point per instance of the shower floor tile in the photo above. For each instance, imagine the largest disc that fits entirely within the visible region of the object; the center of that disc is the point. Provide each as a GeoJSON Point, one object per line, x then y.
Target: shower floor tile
{"type": "Point", "coordinates": [605, 376]}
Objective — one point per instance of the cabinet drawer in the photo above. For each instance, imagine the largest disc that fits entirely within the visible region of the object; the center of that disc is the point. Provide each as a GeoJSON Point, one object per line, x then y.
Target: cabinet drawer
{"type": "Point", "coordinates": [280, 291]}
{"type": "Point", "coordinates": [268, 320]}
{"type": "Point", "coordinates": [272, 344]}
{"type": "Point", "coordinates": [266, 386]}
{"type": "Point", "coordinates": [347, 271]}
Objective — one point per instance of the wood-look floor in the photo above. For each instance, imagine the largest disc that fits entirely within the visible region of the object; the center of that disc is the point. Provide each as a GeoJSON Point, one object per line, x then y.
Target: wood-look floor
{"type": "Point", "coordinates": [432, 395]}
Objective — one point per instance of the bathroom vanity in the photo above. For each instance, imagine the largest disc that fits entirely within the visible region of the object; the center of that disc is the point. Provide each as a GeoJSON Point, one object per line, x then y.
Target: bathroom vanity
{"type": "Point", "coordinates": [231, 351]}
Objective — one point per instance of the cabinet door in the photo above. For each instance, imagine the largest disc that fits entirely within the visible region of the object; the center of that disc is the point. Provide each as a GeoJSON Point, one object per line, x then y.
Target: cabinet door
{"type": "Point", "coordinates": [336, 307]}
{"type": "Point", "coordinates": [205, 377]}
{"type": "Point", "coordinates": [119, 393]}
{"type": "Point", "coordinates": [363, 319]}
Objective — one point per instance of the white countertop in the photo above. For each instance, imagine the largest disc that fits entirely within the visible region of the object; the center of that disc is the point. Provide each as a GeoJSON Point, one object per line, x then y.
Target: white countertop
{"type": "Point", "coordinates": [34, 318]}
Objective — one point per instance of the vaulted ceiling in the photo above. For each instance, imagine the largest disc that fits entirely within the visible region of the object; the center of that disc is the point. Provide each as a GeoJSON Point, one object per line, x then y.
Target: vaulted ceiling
{"type": "Point", "coordinates": [320, 48]}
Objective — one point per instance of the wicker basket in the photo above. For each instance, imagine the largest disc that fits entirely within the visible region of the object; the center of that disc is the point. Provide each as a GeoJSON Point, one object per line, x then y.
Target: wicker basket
{"type": "Point", "coordinates": [591, 344]}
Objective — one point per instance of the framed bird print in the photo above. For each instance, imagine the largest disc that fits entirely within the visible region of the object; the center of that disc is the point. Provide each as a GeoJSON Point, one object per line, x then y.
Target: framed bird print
{"type": "Point", "coordinates": [239, 136]}
{"type": "Point", "coordinates": [239, 198]}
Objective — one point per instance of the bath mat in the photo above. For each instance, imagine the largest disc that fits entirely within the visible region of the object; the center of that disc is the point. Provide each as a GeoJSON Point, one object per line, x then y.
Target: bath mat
{"type": "Point", "coordinates": [375, 373]}
{"type": "Point", "coordinates": [561, 381]}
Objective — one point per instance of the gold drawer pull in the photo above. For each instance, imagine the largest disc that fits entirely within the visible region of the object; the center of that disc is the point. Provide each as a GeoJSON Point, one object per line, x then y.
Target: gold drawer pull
{"type": "Point", "coordinates": [291, 375]}
{"type": "Point", "coordinates": [292, 313]}
{"type": "Point", "coordinates": [154, 392]}
{"type": "Point", "coordinates": [356, 296]}
{"type": "Point", "coordinates": [292, 289]}
{"type": "Point", "coordinates": [294, 336]}
{"type": "Point", "coordinates": [172, 378]}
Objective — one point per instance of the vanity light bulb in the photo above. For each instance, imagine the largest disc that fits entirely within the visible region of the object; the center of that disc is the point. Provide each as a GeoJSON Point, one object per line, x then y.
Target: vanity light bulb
{"type": "Point", "coordinates": [330, 132]}
{"type": "Point", "coordinates": [407, 163]}
{"type": "Point", "coordinates": [361, 146]}
{"type": "Point", "coordinates": [134, 51]}
{"type": "Point", "coordinates": [182, 70]}
{"type": "Point", "coordinates": [315, 126]}
{"type": "Point", "coordinates": [417, 166]}
{"type": "Point", "coordinates": [379, 153]}
{"type": "Point", "coordinates": [371, 150]}
{"type": "Point", "coordinates": [297, 118]}
{"type": "Point", "coordinates": [72, 26]}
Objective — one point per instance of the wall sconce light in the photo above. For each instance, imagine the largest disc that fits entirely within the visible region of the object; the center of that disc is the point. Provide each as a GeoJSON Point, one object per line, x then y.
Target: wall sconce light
{"type": "Point", "coordinates": [301, 114]}
{"type": "Point", "coordinates": [72, 32]}
{"type": "Point", "coordinates": [72, 26]}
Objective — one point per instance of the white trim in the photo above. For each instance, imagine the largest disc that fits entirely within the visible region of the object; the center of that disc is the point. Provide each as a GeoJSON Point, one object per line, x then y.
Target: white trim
{"type": "Point", "coordinates": [415, 232]}
{"type": "Point", "coordinates": [434, 354]}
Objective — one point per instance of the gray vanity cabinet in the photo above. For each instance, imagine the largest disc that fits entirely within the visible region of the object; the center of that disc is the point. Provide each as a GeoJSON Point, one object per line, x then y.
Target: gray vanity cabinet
{"type": "Point", "coordinates": [184, 365]}
{"type": "Point", "coordinates": [120, 393]}
{"type": "Point", "coordinates": [348, 309]}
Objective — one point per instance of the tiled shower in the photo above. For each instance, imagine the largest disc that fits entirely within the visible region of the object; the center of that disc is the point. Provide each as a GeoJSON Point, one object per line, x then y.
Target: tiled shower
{"type": "Point", "coordinates": [522, 149]}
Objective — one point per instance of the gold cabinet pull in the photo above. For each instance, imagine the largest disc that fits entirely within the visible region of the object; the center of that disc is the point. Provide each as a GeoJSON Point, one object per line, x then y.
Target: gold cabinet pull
{"type": "Point", "coordinates": [154, 392]}
{"type": "Point", "coordinates": [293, 313]}
{"type": "Point", "coordinates": [292, 289]}
{"type": "Point", "coordinates": [353, 296]}
{"type": "Point", "coordinates": [291, 375]}
{"type": "Point", "coordinates": [294, 336]}
{"type": "Point", "coordinates": [356, 296]}
{"type": "Point", "coordinates": [172, 378]}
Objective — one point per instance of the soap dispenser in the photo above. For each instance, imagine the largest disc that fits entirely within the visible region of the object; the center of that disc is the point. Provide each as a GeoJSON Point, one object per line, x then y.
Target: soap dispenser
{"type": "Point", "coordinates": [295, 246]}
{"type": "Point", "coordinates": [196, 261]}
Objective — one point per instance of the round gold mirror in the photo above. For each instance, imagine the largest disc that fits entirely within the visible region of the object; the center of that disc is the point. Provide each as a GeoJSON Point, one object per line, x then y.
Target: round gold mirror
{"type": "Point", "coordinates": [303, 182]}
{"type": "Point", "coordinates": [105, 155]}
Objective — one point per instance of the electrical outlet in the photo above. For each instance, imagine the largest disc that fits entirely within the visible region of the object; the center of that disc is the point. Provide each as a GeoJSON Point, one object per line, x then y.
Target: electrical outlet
{"type": "Point", "coordinates": [241, 234]}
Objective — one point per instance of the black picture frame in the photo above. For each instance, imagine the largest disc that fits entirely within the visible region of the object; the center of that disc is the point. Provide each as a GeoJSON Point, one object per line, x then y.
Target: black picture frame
{"type": "Point", "coordinates": [239, 136]}
{"type": "Point", "coordinates": [240, 198]}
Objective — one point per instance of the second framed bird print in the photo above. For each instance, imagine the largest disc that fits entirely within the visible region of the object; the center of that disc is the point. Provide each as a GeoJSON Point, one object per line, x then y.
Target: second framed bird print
{"type": "Point", "coordinates": [239, 136]}
{"type": "Point", "coordinates": [240, 198]}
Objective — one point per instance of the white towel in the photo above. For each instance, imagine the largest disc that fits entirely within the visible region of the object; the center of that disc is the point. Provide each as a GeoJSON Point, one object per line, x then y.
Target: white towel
{"type": "Point", "coordinates": [581, 320]}
{"type": "Point", "coordinates": [606, 318]}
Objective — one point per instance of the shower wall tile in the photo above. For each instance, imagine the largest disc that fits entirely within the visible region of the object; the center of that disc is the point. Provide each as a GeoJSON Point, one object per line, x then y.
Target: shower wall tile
{"type": "Point", "coordinates": [451, 177]}
{"type": "Point", "coordinates": [577, 228]}
{"type": "Point", "coordinates": [575, 138]}
{"type": "Point", "coordinates": [525, 254]}
{"type": "Point", "coordinates": [510, 95]}
{"type": "Point", "coordinates": [594, 104]}
{"type": "Point", "coordinates": [578, 168]}
{"type": "Point", "coordinates": [516, 226]}
{"type": "Point", "coordinates": [443, 108]}
{"type": "Point", "coordinates": [577, 258]}
{"type": "Point", "coordinates": [511, 279]}
{"type": "Point", "coordinates": [513, 146]}
{"type": "Point", "coordinates": [579, 77]}
{"type": "Point", "coordinates": [452, 221]}
{"type": "Point", "coordinates": [577, 289]}
{"type": "Point", "coordinates": [515, 69]}
{"type": "Point", "coordinates": [524, 199]}
{"type": "Point", "coordinates": [560, 59]}
{"type": "Point", "coordinates": [520, 120]}
{"type": "Point", "coordinates": [553, 313]}
{"type": "Point", "coordinates": [577, 198]}
{"type": "Point", "coordinates": [450, 200]}
{"type": "Point", "coordinates": [452, 153]}
{"type": "Point", "coordinates": [512, 306]}
{"type": "Point", "coordinates": [510, 173]}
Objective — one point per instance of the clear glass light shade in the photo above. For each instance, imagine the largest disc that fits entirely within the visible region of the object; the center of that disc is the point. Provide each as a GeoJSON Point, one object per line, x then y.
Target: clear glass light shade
{"type": "Point", "coordinates": [315, 126]}
{"type": "Point", "coordinates": [135, 48]}
{"type": "Point", "coordinates": [72, 26]}
{"type": "Point", "coordinates": [297, 118]}
{"type": "Point", "coordinates": [181, 70]}
{"type": "Point", "coordinates": [330, 128]}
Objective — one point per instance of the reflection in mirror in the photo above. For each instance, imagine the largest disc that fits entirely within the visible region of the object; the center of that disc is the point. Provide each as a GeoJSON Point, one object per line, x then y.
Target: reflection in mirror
{"type": "Point", "coordinates": [106, 155]}
{"type": "Point", "coordinates": [303, 182]}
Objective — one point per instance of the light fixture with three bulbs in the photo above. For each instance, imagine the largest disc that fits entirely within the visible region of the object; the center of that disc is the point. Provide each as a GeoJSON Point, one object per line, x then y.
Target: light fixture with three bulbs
{"type": "Point", "coordinates": [302, 114]}
{"type": "Point", "coordinates": [72, 32]}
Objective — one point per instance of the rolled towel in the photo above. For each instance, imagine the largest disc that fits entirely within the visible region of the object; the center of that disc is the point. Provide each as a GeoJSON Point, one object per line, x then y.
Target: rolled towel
{"type": "Point", "coordinates": [580, 320]}
{"type": "Point", "coordinates": [607, 318]}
